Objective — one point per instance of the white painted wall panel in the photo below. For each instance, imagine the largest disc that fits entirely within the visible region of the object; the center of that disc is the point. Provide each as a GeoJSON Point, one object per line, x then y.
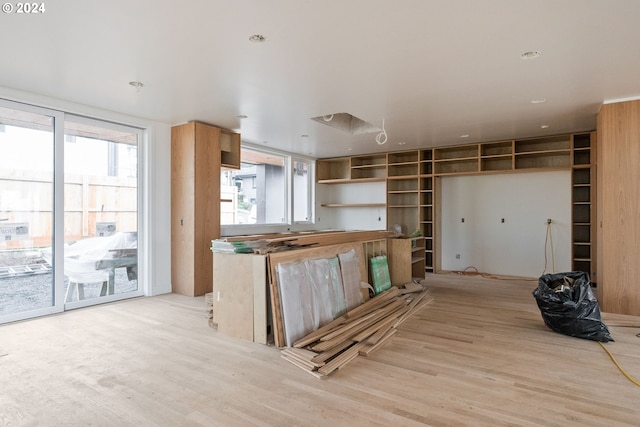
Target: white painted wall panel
{"type": "Point", "coordinates": [517, 246]}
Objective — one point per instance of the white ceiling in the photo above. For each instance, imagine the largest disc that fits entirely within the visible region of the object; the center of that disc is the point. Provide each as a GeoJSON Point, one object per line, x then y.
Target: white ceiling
{"type": "Point", "coordinates": [433, 70]}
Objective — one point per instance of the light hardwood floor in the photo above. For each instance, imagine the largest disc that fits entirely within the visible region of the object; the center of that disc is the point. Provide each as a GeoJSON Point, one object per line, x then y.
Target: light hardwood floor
{"type": "Point", "coordinates": [479, 355]}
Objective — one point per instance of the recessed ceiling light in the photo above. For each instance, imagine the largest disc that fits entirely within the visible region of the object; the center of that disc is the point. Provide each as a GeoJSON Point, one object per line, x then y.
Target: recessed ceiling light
{"type": "Point", "coordinates": [257, 38]}
{"type": "Point", "coordinates": [241, 116]}
{"type": "Point", "coordinates": [544, 126]}
{"type": "Point", "coordinates": [531, 54]}
{"type": "Point", "coordinates": [538, 101]}
{"type": "Point", "coordinates": [466, 135]}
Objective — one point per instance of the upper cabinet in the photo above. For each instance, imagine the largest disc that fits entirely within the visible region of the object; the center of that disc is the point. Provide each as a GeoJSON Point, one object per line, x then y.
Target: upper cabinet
{"type": "Point", "coordinates": [229, 149]}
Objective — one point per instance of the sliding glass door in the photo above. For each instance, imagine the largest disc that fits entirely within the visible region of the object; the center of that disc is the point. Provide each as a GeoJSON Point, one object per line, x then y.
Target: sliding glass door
{"type": "Point", "coordinates": [69, 217]}
{"type": "Point", "coordinates": [27, 165]}
{"type": "Point", "coordinates": [100, 211]}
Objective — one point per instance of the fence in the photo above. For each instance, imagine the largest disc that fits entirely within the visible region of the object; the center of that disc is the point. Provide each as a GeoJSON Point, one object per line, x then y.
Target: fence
{"type": "Point", "coordinates": [26, 197]}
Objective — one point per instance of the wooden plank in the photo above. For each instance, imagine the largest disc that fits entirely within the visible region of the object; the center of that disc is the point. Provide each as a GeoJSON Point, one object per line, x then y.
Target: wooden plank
{"type": "Point", "coordinates": [302, 358]}
{"type": "Point", "coordinates": [373, 303]}
{"type": "Point", "coordinates": [260, 298]}
{"type": "Point", "coordinates": [326, 355]}
{"type": "Point", "coordinates": [344, 358]}
{"type": "Point", "coordinates": [411, 287]}
{"type": "Point", "coordinates": [308, 354]}
{"type": "Point", "coordinates": [412, 305]}
{"type": "Point", "coordinates": [315, 335]}
{"type": "Point", "coordinates": [373, 339]}
{"type": "Point", "coordinates": [346, 327]}
{"type": "Point", "coordinates": [320, 238]}
{"type": "Point", "coordinates": [368, 348]}
{"type": "Point", "coordinates": [294, 362]}
{"type": "Point", "coordinates": [276, 314]}
{"type": "Point", "coordinates": [300, 362]}
{"type": "Point", "coordinates": [349, 333]}
{"type": "Point", "coordinates": [382, 323]}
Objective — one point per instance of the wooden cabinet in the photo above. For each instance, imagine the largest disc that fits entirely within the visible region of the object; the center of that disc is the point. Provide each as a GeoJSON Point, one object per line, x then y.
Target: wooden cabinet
{"type": "Point", "coordinates": [229, 149]}
{"type": "Point", "coordinates": [196, 158]}
{"type": "Point", "coordinates": [618, 204]}
{"type": "Point", "coordinates": [406, 259]}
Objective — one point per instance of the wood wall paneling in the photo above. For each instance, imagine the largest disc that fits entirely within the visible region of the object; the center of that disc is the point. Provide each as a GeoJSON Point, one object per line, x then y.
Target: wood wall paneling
{"type": "Point", "coordinates": [618, 181]}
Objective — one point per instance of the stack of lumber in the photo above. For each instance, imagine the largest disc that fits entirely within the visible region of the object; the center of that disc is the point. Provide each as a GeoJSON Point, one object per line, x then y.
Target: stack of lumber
{"type": "Point", "coordinates": [357, 333]}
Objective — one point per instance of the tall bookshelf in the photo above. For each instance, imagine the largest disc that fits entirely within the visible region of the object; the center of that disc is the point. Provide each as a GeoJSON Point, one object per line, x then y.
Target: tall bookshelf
{"type": "Point", "coordinates": [403, 190]}
{"type": "Point", "coordinates": [427, 212]}
{"type": "Point", "coordinates": [583, 208]}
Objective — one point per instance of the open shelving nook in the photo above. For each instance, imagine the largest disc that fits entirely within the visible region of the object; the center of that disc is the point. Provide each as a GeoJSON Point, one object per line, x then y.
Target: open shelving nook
{"type": "Point", "coordinates": [368, 168]}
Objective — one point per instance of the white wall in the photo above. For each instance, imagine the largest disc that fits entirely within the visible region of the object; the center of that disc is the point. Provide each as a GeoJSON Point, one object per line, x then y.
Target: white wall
{"type": "Point", "coordinates": [515, 247]}
{"type": "Point", "coordinates": [351, 218]}
{"type": "Point", "coordinates": [159, 209]}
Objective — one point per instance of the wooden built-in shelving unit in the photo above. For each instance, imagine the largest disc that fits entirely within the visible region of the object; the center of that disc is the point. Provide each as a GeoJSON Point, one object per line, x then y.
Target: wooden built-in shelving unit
{"type": "Point", "coordinates": [411, 178]}
{"type": "Point", "coordinates": [406, 259]}
{"type": "Point", "coordinates": [369, 168]}
{"type": "Point", "coordinates": [583, 210]}
{"type": "Point", "coordinates": [229, 149]}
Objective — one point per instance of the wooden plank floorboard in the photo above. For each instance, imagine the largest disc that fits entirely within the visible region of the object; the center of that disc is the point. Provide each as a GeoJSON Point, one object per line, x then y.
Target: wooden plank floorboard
{"type": "Point", "coordinates": [478, 355]}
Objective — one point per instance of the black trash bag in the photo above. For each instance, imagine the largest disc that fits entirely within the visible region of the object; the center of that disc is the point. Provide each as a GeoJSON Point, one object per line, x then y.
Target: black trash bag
{"type": "Point", "coordinates": [568, 306]}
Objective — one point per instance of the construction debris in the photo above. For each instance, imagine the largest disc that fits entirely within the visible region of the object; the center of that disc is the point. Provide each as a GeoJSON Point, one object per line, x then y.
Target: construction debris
{"type": "Point", "coordinates": [357, 333]}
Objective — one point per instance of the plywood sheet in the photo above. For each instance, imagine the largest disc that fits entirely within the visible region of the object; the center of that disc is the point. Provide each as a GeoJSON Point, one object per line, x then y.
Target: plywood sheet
{"type": "Point", "coordinates": [233, 295]}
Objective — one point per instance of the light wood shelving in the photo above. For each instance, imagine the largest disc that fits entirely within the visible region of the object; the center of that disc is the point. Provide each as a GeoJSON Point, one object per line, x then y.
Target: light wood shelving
{"type": "Point", "coordinates": [412, 199]}
{"type": "Point", "coordinates": [353, 205]}
{"type": "Point", "coordinates": [368, 168]}
{"type": "Point", "coordinates": [582, 205]}
{"type": "Point", "coordinates": [406, 259]}
{"type": "Point", "coordinates": [496, 156]}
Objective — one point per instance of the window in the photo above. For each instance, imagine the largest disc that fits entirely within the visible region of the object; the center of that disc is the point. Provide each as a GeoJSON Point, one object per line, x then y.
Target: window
{"type": "Point", "coordinates": [257, 193]}
{"type": "Point", "coordinates": [261, 192]}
